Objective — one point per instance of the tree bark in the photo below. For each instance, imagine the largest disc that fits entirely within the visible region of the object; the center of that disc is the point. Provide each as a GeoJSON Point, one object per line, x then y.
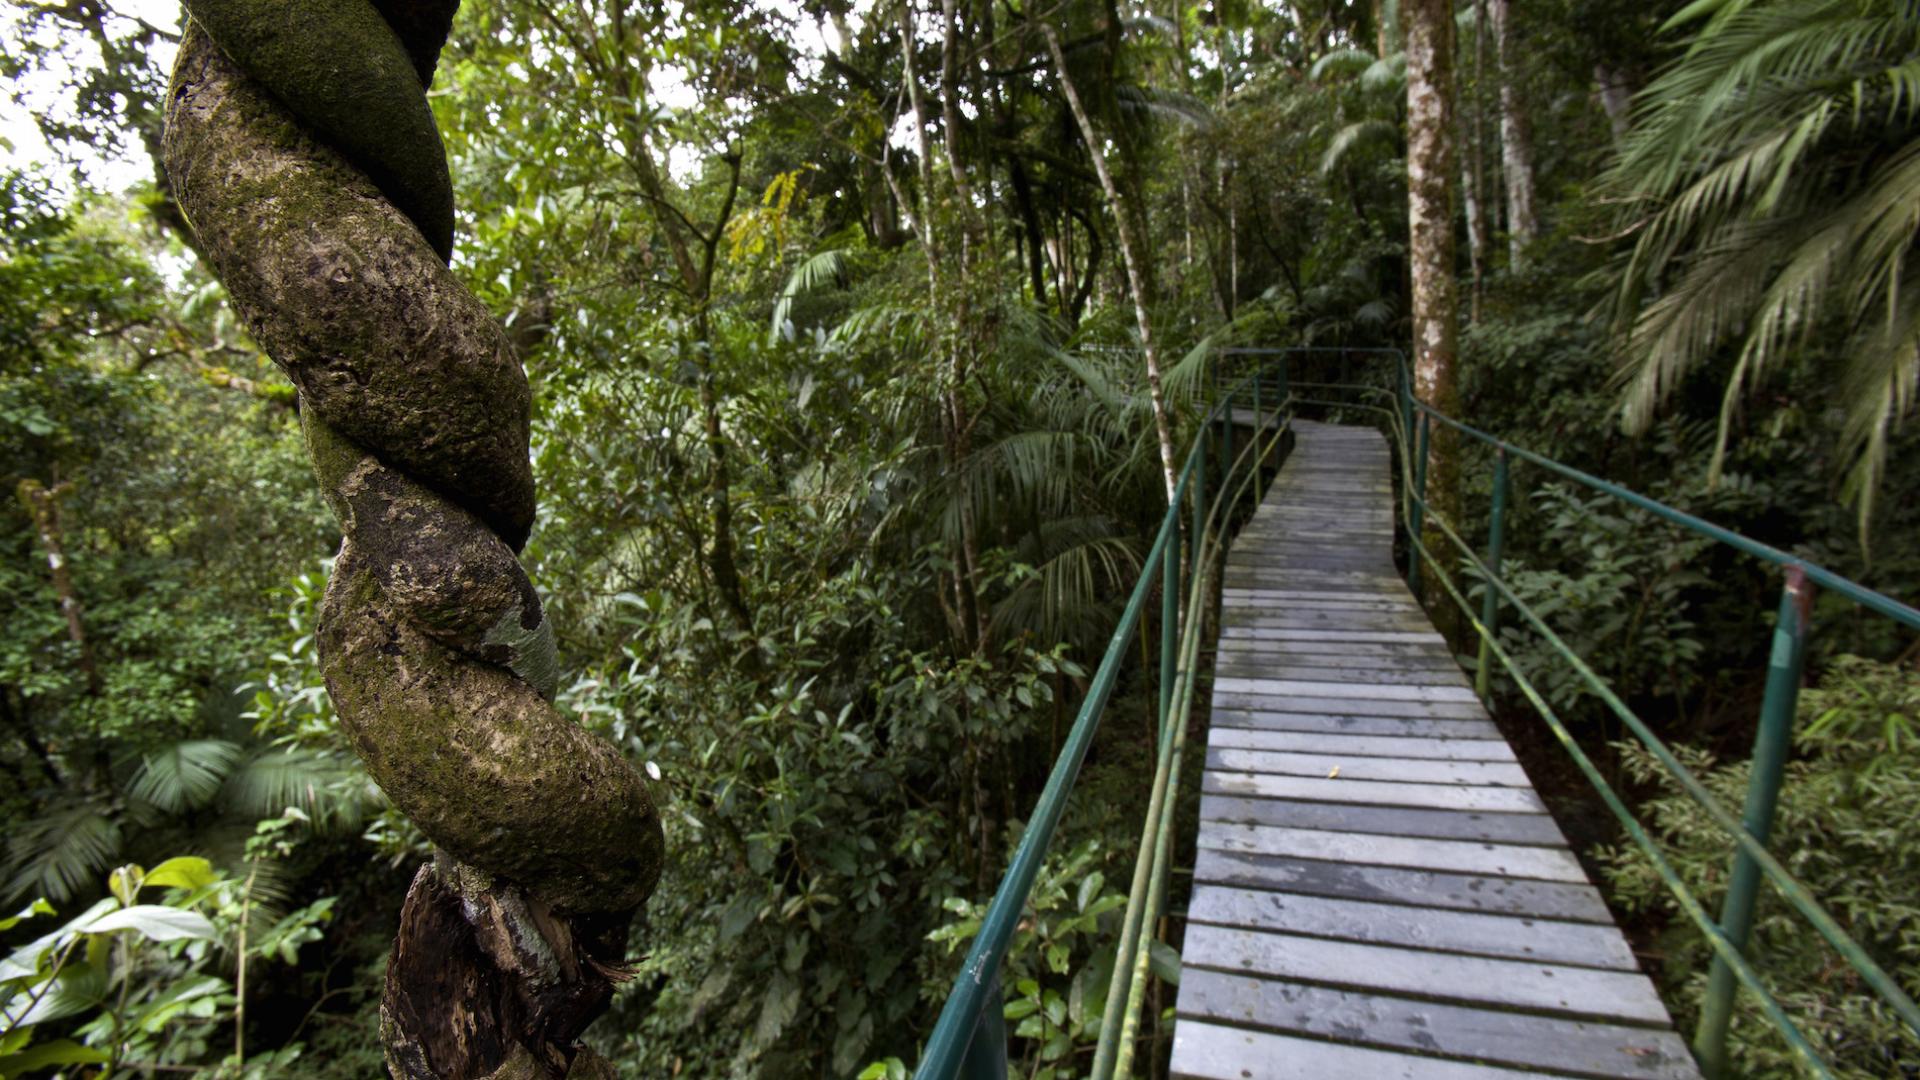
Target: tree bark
{"type": "Point", "coordinates": [43, 505]}
{"type": "Point", "coordinates": [1616, 98]}
{"type": "Point", "coordinates": [1516, 139]}
{"type": "Point", "coordinates": [1428, 25]}
{"type": "Point", "coordinates": [1475, 188]}
{"type": "Point", "coordinates": [431, 637]}
{"type": "Point", "coordinates": [1132, 251]}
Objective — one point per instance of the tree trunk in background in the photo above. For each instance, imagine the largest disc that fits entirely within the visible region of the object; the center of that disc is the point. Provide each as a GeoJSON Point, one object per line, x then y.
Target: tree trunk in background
{"type": "Point", "coordinates": [1616, 97]}
{"type": "Point", "coordinates": [44, 506]}
{"type": "Point", "coordinates": [1516, 139]}
{"type": "Point", "coordinates": [1476, 171]}
{"type": "Point", "coordinates": [1132, 251]}
{"type": "Point", "coordinates": [1428, 26]}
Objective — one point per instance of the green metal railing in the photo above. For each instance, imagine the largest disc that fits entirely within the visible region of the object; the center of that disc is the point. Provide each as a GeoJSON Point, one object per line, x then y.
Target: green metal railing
{"type": "Point", "coordinates": [1411, 424]}
{"type": "Point", "coordinates": [969, 1040]}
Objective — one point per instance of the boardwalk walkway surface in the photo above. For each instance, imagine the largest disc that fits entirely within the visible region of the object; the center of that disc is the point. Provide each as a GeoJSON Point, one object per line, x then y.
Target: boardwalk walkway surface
{"type": "Point", "coordinates": [1378, 890]}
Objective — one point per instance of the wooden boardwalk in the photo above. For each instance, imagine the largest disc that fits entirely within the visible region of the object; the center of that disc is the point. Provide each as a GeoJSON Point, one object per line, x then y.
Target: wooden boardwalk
{"type": "Point", "coordinates": [1378, 890]}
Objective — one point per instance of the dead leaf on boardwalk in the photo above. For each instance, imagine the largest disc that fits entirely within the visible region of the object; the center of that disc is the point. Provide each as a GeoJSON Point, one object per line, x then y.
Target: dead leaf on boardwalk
{"type": "Point", "coordinates": [1335, 774]}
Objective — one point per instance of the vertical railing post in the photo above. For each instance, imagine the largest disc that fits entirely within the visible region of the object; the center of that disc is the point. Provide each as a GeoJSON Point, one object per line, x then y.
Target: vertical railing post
{"type": "Point", "coordinates": [1416, 516]}
{"type": "Point", "coordinates": [1259, 422]}
{"type": "Point", "coordinates": [1169, 611]}
{"type": "Point", "coordinates": [1490, 605]}
{"type": "Point", "coordinates": [1226, 432]}
{"type": "Point", "coordinates": [1195, 537]}
{"type": "Point", "coordinates": [1770, 747]}
{"type": "Point", "coordinates": [986, 1056]}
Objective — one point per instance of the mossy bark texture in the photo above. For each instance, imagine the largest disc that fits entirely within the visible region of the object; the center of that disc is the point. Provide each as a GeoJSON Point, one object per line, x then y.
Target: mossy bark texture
{"type": "Point", "coordinates": [300, 144]}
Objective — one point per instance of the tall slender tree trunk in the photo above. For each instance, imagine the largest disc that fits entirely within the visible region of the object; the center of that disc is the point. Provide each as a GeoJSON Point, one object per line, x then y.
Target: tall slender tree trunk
{"type": "Point", "coordinates": [44, 506]}
{"type": "Point", "coordinates": [1516, 139]}
{"type": "Point", "coordinates": [1132, 251]}
{"type": "Point", "coordinates": [1475, 188]}
{"type": "Point", "coordinates": [1428, 25]}
{"type": "Point", "coordinates": [1616, 97]}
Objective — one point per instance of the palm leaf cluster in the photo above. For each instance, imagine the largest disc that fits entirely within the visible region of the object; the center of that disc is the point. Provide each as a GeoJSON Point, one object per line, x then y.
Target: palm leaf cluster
{"type": "Point", "coordinates": [197, 794]}
{"type": "Point", "coordinates": [1772, 187]}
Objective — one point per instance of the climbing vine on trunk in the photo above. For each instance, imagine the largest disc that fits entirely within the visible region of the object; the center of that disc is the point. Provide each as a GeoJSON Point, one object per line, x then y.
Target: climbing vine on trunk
{"type": "Point", "coordinates": [302, 149]}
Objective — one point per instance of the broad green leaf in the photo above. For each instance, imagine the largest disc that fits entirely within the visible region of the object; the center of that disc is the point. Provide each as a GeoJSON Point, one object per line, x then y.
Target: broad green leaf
{"type": "Point", "coordinates": [47, 1055]}
{"type": "Point", "coordinates": [155, 923]}
{"type": "Point", "coordinates": [184, 872]}
{"type": "Point", "coordinates": [1164, 962]}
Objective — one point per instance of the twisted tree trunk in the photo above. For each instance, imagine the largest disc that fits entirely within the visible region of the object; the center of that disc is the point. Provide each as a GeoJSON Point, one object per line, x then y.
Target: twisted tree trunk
{"type": "Point", "coordinates": [301, 147]}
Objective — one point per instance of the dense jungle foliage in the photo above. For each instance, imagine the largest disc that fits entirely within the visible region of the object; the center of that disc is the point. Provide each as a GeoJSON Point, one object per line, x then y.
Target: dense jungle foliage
{"type": "Point", "coordinates": [847, 457]}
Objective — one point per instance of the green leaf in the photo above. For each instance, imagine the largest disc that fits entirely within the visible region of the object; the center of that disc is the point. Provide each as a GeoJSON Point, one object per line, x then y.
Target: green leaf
{"type": "Point", "coordinates": [38, 907]}
{"type": "Point", "coordinates": [1164, 962]}
{"type": "Point", "coordinates": [155, 923]}
{"type": "Point", "coordinates": [183, 872]}
{"type": "Point", "coordinates": [48, 1055]}
{"type": "Point", "coordinates": [1090, 888]}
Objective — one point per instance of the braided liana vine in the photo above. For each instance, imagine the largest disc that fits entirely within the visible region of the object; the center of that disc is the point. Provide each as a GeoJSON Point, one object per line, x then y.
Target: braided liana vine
{"type": "Point", "coordinates": [301, 146]}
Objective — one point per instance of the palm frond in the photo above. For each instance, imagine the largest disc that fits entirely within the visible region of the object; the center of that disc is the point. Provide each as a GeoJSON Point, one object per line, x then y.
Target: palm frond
{"type": "Point", "coordinates": [61, 852]}
{"type": "Point", "coordinates": [329, 789]}
{"type": "Point", "coordinates": [1355, 136]}
{"type": "Point", "coordinates": [186, 775]}
{"type": "Point", "coordinates": [827, 268]}
{"type": "Point", "coordinates": [1341, 62]}
{"type": "Point", "coordinates": [1385, 75]}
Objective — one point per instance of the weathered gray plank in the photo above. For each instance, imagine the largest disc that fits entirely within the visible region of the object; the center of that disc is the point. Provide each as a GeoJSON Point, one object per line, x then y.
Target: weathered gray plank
{"type": "Point", "coordinates": [1421, 888]}
{"type": "Point", "coordinates": [1538, 987]}
{"type": "Point", "coordinates": [1538, 829]}
{"type": "Point", "coordinates": [1373, 792]}
{"type": "Point", "coordinates": [1418, 853]}
{"type": "Point", "coordinates": [1348, 723]}
{"type": "Point", "coordinates": [1239, 665]}
{"type": "Point", "coordinates": [1206, 1051]}
{"type": "Point", "coordinates": [1343, 691]}
{"type": "Point", "coordinates": [1362, 745]}
{"type": "Point", "coordinates": [1576, 1047]}
{"type": "Point", "coordinates": [1338, 767]}
{"type": "Point", "coordinates": [1348, 706]}
{"type": "Point", "coordinates": [1272, 636]}
{"type": "Point", "coordinates": [1504, 936]}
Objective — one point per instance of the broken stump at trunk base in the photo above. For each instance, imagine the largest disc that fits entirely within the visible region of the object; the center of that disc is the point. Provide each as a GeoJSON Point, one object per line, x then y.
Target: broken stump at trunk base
{"type": "Point", "coordinates": [487, 983]}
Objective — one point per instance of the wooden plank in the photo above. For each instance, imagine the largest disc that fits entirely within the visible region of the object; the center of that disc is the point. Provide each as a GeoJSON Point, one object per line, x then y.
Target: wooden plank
{"type": "Point", "coordinates": [1338, 767]}
{"type": "Point", "coordinates": [1327, 706]}
{"type": "Point", "coordinates": [1417, 853]}
{"type": "Point", "coordinates": [1538, 987]}
{"type": "Point", "coordinates": [1350, 724]}
{"type": "Point", "coordinates": [1203, 1051]}
{"type": "Point", "coordinates": [1321, 635]}
{"type": "Point", "coordinates": [1538, 829]}
{"type": "Point", "coordinates": [1303, 688]}
{"type": "Point", "coordinates": [1500, 936]}
{"type": "Point", "coordinates": [1338, 653]}
{"type": "Point", "coordinates": [1421, 888]}
{"type": "Point", "coordinates": [1237, 665]}
{"type": "Point", "coordinates": [1374, 792]}
{"type": "Point", "coordinates": [1314, 594]}
{"type": "Point", "coordinates": [1362, 745]}
{"type": "Point", "coordinates": [1575, 1047]}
